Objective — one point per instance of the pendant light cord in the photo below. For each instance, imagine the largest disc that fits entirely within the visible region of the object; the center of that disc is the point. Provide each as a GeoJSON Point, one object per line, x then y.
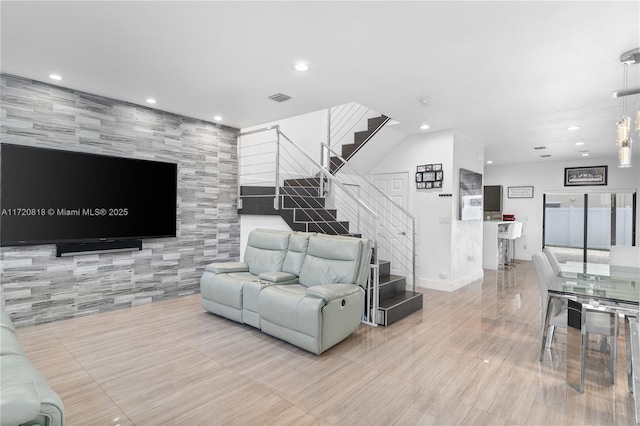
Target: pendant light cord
{"type": "Point", "coordinates": [625, 72]}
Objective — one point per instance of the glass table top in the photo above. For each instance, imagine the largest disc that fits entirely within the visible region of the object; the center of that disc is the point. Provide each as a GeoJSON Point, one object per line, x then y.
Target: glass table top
{"type": "Point", "coordinates": [603, 282]}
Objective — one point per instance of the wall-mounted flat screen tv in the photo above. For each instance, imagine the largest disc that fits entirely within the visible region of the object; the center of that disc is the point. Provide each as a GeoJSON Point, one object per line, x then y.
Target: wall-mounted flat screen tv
{"type": "Point", "coordinates": [53, 196]}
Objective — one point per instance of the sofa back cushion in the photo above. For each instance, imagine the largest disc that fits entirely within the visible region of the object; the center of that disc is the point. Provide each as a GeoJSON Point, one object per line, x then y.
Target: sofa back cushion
{"type": "Point", "coordinates": [332, 260]}
{"type": "Point", "coordinates": [266, 250]}
{"type": "Point", "coordinates": [297, 251]}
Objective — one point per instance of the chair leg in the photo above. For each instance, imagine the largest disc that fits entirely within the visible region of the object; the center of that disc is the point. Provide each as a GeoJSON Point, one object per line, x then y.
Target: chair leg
{"type": "Point", "coordinates": [614, 347]}
{"type": "Point", "coordinates": [552, 328]}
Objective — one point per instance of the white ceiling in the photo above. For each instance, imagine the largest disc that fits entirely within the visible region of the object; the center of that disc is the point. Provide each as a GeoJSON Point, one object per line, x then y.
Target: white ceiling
{"type": "Point", "coordinates": [511, 75]}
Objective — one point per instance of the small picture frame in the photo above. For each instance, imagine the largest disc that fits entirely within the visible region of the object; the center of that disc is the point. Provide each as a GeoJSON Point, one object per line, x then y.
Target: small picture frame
{"type": "Point", "coordinates": [520, 192]}
{"type": "Point", "coordinates": [585, 176]}
{"type": "Point", "coordinates": [437, 184]}
{"type": "Point", "coordinates": [428, 176]}
{"type": "Point", "coordinates": [428, 185]}
{"type": "Point", "coordinates": [437, 167]}
{"type": "Point", "coordinates": [418, 177]}
{"type": "Point", "coordinates": [428, 167]}
{"type": "Point", "coordinates": [420, 169]}
{"type": "Point", "coordinates": [420, 185]}
{"type": "Point", "coordinates": [438, 175]}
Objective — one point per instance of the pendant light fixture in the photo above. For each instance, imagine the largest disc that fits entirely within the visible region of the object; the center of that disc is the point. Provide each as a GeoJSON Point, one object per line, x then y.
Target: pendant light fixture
{"type": "Point", "coordinates": [623, 126]}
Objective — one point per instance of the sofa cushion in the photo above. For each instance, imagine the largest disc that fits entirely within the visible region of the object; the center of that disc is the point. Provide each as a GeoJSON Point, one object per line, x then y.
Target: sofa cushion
{"type": "Point", "coordinates": [331, 261]}
{"type": "Point", "coordinates": [288, 306]}
{"type": "Point", "coordinates": [296, 252]}
{"type": "Point", "coordinates": [266, 250]}
{"type": "Point", "coordinates": [226, 289]}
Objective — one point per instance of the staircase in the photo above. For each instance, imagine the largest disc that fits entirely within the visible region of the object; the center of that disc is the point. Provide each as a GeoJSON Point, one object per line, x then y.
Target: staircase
{"type": "Point", "coordinates": [359, 138]}
{"type": "Point", "coordinates": [339, 200]}
{"type": "Point", "coordinates": [395, 301]}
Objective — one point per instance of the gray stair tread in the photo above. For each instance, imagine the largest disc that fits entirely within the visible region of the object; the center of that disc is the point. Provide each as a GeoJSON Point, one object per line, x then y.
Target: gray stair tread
{"type": "Point", "coordinates": [406, 296]}
{"type": "Point", "coordinates": [389, 279]}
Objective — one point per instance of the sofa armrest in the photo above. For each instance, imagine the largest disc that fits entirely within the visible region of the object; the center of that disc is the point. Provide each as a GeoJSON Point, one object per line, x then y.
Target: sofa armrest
{"type": "Point", "coordinates": [20, 402]}
{"type": "Point", "coordinates": [227, 267]}
{"type": "Point", "coordinates": [330, 292]}
{"type": "Point", "coordinates": [278, 277]}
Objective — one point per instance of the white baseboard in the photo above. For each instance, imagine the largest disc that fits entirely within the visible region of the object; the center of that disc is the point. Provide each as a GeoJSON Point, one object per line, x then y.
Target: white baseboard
{"type": "Point", "coordinates": [450, 286]}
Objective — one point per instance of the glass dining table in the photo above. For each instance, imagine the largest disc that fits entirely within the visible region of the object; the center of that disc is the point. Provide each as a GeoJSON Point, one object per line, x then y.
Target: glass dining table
{"type": "Point", "coordinates": [604, 288]}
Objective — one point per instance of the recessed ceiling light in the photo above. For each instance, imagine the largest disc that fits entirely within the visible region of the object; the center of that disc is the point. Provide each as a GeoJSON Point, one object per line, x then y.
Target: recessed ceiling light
{"type": "Point", "coordinates": [489, 162]}
{"type": "Point", "coordinates": [217, 118]}
{"type": "Point", "coordinates": [585, 154]}
{"type": "Point", "coordinates": [151, 101]}
{"type": "Point", "coordinates": [424, 127]}
{"type": "Point", "coordinates": [579, 143]}
{"type": "Point", "coordinates": [301, 66]}
{"type": "Point", "coordinates": [55, 77]}
{"type": "Point", "coordinates": [571, 128]}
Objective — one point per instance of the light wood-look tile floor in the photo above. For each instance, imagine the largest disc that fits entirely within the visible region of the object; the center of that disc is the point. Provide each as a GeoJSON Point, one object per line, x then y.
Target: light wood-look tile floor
{"type": "Point", "coordinates": [469, 357]}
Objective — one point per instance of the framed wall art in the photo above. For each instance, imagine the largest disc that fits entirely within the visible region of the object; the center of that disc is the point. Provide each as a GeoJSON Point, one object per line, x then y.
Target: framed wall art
{"type": "Point", "coordinates": [429, 176]}
{"type": "Point", "coordinates": [520, 192]}
{"type": "Point", "coordinates": [585, 176]}
{"type": "Point", "coordinates": [470, 195]}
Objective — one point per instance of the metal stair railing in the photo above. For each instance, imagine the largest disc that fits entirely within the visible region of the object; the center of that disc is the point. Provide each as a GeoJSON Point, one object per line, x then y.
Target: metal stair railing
{"type": "Point", "coordinates": [342, 121]}
{"type": "Point", "coordinates": [279, 162]}
{"type": "Point", "coordinates": [397, 227]}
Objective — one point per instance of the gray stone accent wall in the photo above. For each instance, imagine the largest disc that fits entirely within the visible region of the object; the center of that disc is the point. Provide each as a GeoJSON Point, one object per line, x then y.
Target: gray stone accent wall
{"type": "Point", "coordinates": [37, 286]}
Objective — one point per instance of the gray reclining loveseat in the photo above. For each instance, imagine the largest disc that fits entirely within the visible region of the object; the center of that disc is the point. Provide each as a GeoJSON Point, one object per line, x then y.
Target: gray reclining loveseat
{"type": "Point", "coordinates": [304, 288]}
{"type": "Point", "coordinates": [25, 396]}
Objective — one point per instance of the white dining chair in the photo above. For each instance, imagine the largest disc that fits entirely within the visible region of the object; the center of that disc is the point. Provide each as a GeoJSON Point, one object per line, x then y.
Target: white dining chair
{"type": "Point", "coordinates": [602, 323]}
{"type": "Point", "coordinates": [553, 260]}
{"type": "Point", "coordinates": [624, 256]}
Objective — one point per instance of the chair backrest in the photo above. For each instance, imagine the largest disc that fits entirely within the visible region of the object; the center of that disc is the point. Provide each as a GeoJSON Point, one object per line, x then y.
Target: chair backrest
{"type": "Point", "coordinates": [545, 276]}
{"type": "Point", "coordinates": [266, 250]}
{"type": "Point", "coordinates": [519, 229]}
{"type": "Point", "coordinates": [512, 231]}
{"type": "Point", "coordinates": [336, 260]}
{"type": "Point", "coordinates": [297, 251]}
{"type": "Point", "coordinates": [553, 260]}
{"type": "Point", "coordinates": [624, 256]}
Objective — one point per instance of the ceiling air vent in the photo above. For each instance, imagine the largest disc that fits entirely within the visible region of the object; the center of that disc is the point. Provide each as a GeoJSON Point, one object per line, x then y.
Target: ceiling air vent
{"type": "Point", "coordinates": [545, 155]}
{"type": "Point", "coordinates": [279, 97]}
{"type": "Point", "coordinates": [539, 147]}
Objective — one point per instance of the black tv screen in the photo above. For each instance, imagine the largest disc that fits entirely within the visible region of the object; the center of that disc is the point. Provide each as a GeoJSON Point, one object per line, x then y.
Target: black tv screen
{"type": "Point", "coordinates": [53, 196]}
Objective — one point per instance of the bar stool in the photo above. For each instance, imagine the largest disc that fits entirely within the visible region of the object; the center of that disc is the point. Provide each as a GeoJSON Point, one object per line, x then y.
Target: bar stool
{"type": "Point", "coordinates": [507, 244]}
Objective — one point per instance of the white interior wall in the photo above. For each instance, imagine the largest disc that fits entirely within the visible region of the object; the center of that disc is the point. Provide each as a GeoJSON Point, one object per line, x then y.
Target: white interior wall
{"type": "Point", "coordinates": [306, 131]}
{"type": "Point", "coordinates": [434, 214]}
{"type": "Point", "coordinates": [467, 235]}
{"type": "Point", "coordinates": [545, 177]}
